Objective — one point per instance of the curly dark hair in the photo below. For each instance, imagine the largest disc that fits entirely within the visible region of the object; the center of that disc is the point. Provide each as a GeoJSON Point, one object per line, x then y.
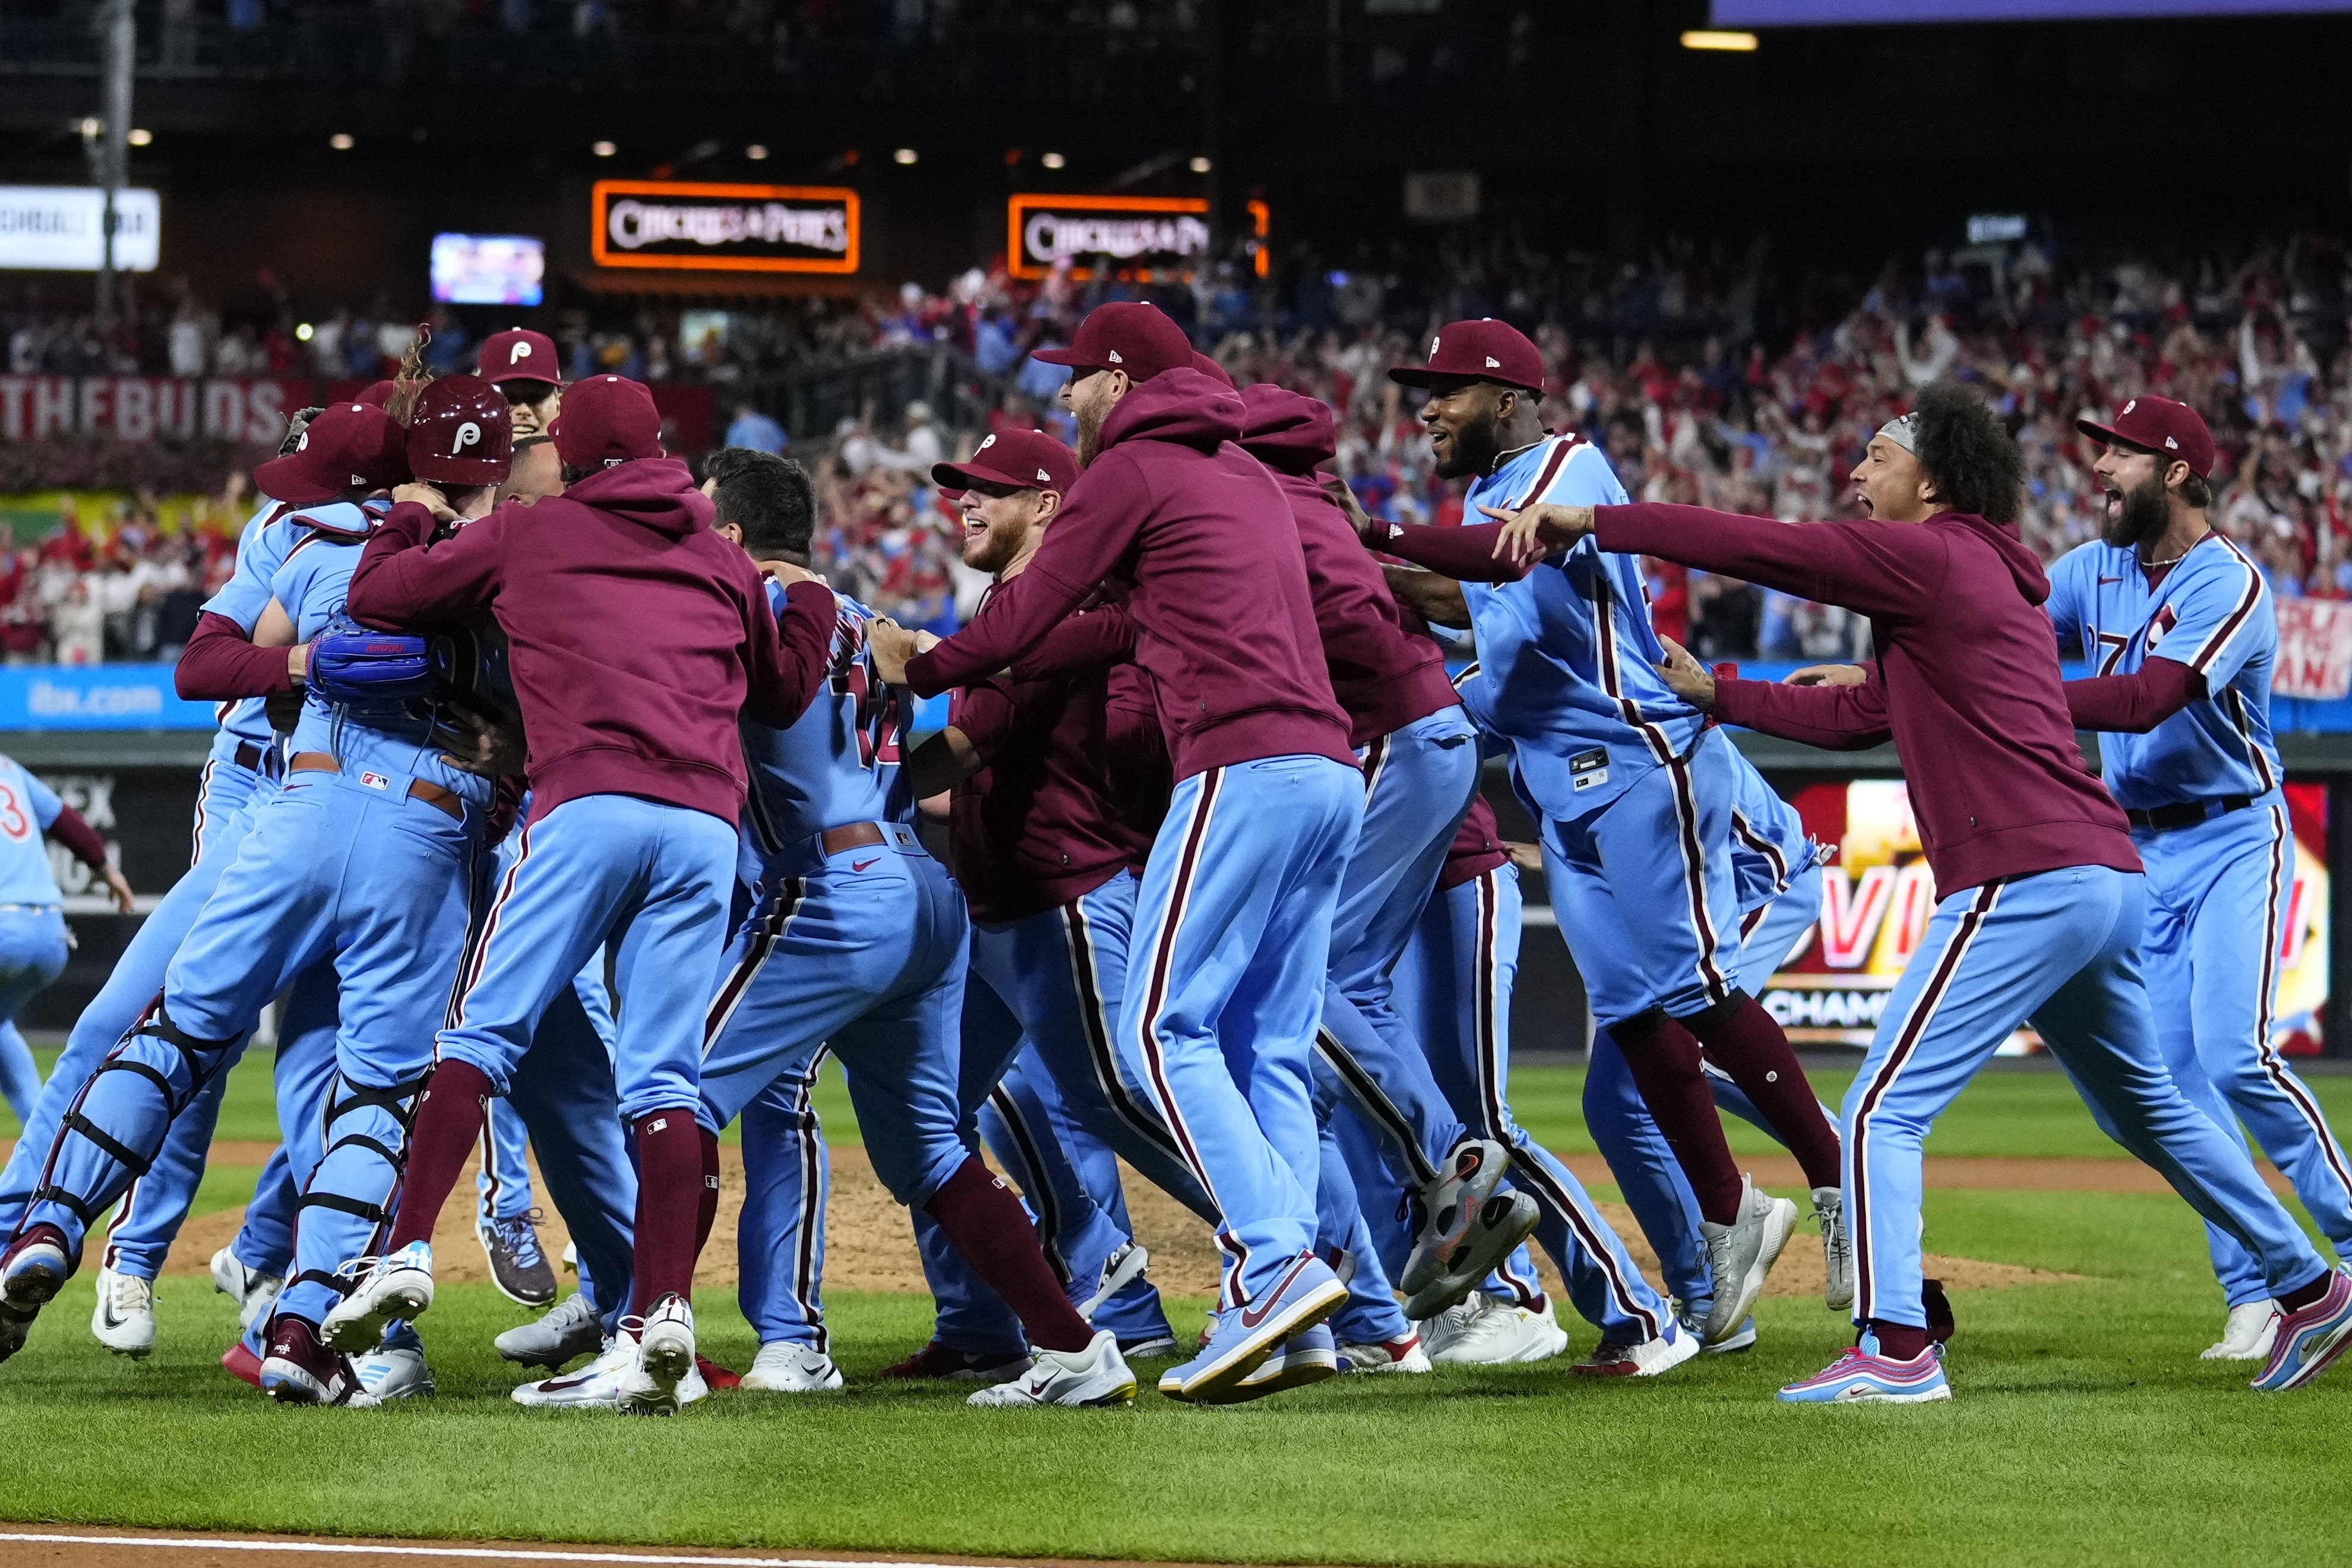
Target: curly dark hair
{"type": "Point", "coordinates": [1968, 454]}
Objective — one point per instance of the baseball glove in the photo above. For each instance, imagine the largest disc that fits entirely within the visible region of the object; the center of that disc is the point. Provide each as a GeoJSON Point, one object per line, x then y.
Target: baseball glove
{"type": "Point", "coordinates": [371, 672]}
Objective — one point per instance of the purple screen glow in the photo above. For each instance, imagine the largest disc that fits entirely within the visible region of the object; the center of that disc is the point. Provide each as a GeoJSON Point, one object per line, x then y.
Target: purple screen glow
{"type": "Point", "coordinates": [1847, 13]}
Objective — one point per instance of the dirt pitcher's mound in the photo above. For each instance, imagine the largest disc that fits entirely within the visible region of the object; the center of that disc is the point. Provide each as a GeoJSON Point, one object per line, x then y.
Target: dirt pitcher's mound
{"type": "Point", "coordinates": [871, 1245]}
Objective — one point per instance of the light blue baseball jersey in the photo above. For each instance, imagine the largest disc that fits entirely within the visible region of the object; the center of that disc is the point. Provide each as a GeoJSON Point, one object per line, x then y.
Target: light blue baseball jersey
{"type": "Point", "coordinates": [1770, 847]}
{"type": "Point", "coordinates": [2213, 612]}
{"type": "Point", "coordinates": [311, 584]}
{"type": "Point", "coordinates": [839, 764]}
{"type": "Point", "coordinates": [1567, 657]}
{"type": "Point", "coordinates": [27, 808]}
{"type": "Point", "coordinates": [261, 550]}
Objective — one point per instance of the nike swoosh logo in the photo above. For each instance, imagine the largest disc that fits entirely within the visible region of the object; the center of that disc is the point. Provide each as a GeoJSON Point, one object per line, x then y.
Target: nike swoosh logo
{"type": "Point", "coordinates": [2104, 581]}
{"type": "Point", "coordinates": [1252, 1316]}
{"type": "Point", "coordinates": [861, 865]}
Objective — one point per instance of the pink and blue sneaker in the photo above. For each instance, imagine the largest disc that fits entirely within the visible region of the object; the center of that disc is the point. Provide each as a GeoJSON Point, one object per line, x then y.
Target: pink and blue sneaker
{"type": "Point", "coordinates": [2309, 1338]}
{"type": "Point", "coordinates": [1241, 1339]}
{"type": "Point", "coordinates": [1861, 1376]}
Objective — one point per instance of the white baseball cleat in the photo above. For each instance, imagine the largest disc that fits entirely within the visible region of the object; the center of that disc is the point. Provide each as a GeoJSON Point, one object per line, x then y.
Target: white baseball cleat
{"type": "Point", "coordinates": [1837, 1248]}
{"type": "Point", "coordinates": [1405, 1355]}
{"type": "Point", "coordinates": [1098, 1374]}
{"type": "Point", "coordinates": [1648, 1359]}
{"type": "Point", "coordinates": [393, 1373]}
{"type": "Point", "coordinates": [1485, 1331]}
{"type": "Point", "coordinates": [399, 1286]}
{"type": "Point", "coordinates": [597, 1386]}
{"type": "Point", "coordinates": [1119, 1271]}
{"type": "Point", "coordinates": [1741, 1254]}
{"type": "Point", "coordinates": [571, 1329]}
{"type": "Point", "coordinates": [2248, 1335]}
{"type": "Point", "coordinates": [124, 1319]}
{"type": "Point", "coordinates": [253, 1289]}
{"type": "Point", "coordinates": [784, 1368]}
{"type": "Point", "coordinates": [665, 1355]}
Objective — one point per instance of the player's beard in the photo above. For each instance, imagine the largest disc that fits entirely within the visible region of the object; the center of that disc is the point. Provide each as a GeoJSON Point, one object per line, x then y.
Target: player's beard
{"type": "Point", "coordinates": [1090, 419]}
{"type": "Point", "coordinates": [2143, 515]}
{"type": "Point", "coordinates": [1477, 444]}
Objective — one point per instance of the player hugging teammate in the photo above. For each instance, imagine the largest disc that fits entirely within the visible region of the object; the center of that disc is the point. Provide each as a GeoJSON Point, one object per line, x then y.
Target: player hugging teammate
{"type": "Point", "coordinates": [516, 709]}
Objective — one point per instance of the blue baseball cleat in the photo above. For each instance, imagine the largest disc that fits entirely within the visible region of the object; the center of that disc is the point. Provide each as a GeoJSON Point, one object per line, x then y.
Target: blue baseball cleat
{"type": "Point", "coordinates": [2310, 1338]}
{"type": "Point", "coordinates": [31, 1275]}
{"type": "Point", "coordinates": [1241, 1339]}
{"type": "Point", "coordinates": [1862, 1376]}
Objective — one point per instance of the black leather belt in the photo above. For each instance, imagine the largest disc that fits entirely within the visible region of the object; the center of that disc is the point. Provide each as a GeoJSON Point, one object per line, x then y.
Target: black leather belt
{"type": "Point", "coordinates": [250, 757]}
{"type": "Point", "coordinates": [2187, 813]}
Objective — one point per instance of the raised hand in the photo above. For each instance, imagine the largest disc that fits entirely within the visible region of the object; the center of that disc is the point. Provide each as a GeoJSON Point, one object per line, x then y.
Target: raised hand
{"type": "Point", "coordinates": [1533, 533]}
{"type": "Point", "coordinates": [1827, 675]}
{"type": "Point", "coordinates": [1688, 678]}
{"type": "Point", "coordinates": [891, 646]}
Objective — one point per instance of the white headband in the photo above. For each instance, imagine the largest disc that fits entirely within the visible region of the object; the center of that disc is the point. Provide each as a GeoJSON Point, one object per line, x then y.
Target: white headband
{"type": "Point", "coordinates": [1904, 431]}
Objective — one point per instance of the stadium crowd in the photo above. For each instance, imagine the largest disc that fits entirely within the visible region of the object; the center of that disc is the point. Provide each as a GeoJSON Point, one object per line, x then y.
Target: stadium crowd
{"type": "Point", "coordinates": [1711, 376]}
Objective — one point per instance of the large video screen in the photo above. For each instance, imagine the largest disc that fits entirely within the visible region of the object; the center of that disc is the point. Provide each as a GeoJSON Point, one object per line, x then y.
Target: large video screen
{"type": "Point", "coordinates": [488, 270]}
{"type": "Point", "coordinates": [1877, 893]}
{"type": "Point", "coordinates": [1848, 12]}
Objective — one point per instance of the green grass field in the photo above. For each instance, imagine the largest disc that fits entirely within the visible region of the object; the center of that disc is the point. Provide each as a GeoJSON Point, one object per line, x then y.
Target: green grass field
{"type": "Point", "coordinates": [2084, 1429]}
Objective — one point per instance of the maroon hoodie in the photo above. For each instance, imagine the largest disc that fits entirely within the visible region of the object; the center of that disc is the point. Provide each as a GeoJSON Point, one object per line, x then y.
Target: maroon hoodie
{"type": "Point", "coordinates": [1225, 624]}
{"type": "Point", "coordinates": [637, 634]}
{"type": "Point", "coordinates": [1385, 677]}
{"type": "Point", "coordinates": [1966, 679]}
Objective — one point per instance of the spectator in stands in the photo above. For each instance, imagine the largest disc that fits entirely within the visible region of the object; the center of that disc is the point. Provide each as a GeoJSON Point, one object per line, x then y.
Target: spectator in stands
{"type": "Point", "coordinates": [78, 626]}
{"type": "Point", "coordinates": [753, 429]}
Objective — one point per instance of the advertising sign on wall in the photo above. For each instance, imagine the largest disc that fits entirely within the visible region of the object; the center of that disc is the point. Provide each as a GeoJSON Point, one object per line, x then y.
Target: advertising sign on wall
{"type": "Point", "coordinates": [62, 228]}
{"type": "Point", "coordinates": [723, 228]}
{"type": "Point", "coordinates": [145, 407]}
{"type": "Point", "coordinates": [1139, 234]}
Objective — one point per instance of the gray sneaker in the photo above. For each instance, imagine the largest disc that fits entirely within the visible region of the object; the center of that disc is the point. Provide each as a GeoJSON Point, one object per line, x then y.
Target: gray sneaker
{"type": "Point", "coordinates": [518, 1266]}
{"type": "Point", "coordinates": [1837, 1248]}
{"type": "Point", "coordinates": [1739, 1256]}
{"type": "Point", "coordinates": [565, 1334]}
{"type": "Point", "coordinates": [1464, 1227]}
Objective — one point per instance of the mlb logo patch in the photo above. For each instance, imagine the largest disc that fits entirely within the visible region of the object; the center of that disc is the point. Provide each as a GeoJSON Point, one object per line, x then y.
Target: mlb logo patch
{"type": "Point", "coordinates": [375, 780]}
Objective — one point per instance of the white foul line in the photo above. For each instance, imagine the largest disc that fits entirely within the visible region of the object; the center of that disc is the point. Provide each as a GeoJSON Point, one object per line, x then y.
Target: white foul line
{"type": "Point", "coordinates": [488, 1554]}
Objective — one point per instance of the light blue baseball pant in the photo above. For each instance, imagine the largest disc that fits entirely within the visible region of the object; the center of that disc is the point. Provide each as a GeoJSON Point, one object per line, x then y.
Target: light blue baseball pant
{"type": "Point", "coordinates": [334, 870]}
{"type": "Point", "coordinates": [1226, 976]}
{"type": "Point", "coordinates": [502, 1186]}
{"type": "Point", "coordinates": [868, 963]}
{"type": "Point", "coordinates": [1417, 783]}
{"type": "Point", "coordinates": [1461, 970]}
{"type": "Point", "coordinates": [653, 878]}
{"type": "Point", "coordinates": [565, 1093]}
{"type": "Point", "coordinates": [224, 805]}
{"type": "Point", "coordinates": [2061, 948]}
{"type": "Point", "coordinates": [32, 953]}
{"type": "Point", "coordinates": [780, 1236]}
{"type": "Point", "coordinates": [1648, 1175]}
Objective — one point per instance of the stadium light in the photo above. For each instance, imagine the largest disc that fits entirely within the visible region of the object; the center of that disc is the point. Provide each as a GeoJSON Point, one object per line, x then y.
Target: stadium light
{"type": "Point", "coordinates": [903, 155]}
{"type": "Point", "coordinates": [757, 152]}
{"type": "Point", "coordinates": [341, 141]}
{"type": "Point", "coordinates": [1200, 166]}
{"type": "Point", "coordinates": [142, 138]}
{"type": "Point", "coordinates": [603, 149]}
{"type": "Point", "coordinates": [1723, 43]}
{"type": "Point", "coordinates": [302, 334]}
{"type": "Point", "coordinates": [1053, 160]}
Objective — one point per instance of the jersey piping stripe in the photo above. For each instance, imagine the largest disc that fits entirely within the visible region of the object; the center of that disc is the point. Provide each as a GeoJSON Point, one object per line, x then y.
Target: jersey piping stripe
{"type": "Point", "coordinates": [2245, 725]}
{"type": "Point", "coordinates": [1194, 839]}
{"type": "Point", "coordinates": [1094, 1022]}
{"type": "Point", "coordinates": [1031, 1181]}
{"type": "Point", "coordinates": [481, 952]}
{"type": "Point", "coordinates": [203, 792]}
{"type": "Point", "coordinates": [1374, 763]}
{"type": "Point", "coordinates": [1915, 1029]}
{"type": "Point", "coordinates": [1584, 1230]}
{"type": "Point", "coordinates": [1554, 460]}
{"type": "Point", "coordinates": [791, 894]}
{"type": "Point", "coordinates": [2288, 1085]}
{"type": "Point", "coordinates": [1604, 625]}
{"type": "Point", "coordinates": [1746, 831]}
{"type": "Point", "coordinates": [1377, 1106]}
{"type": "Point", "coordinates": [1693, 858]}
{"type": "Point", "coordinates": [2251, 596]}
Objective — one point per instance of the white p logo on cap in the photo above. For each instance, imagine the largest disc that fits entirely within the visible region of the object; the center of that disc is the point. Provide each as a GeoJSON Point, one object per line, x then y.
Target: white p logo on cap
{"type": "Point", "coordinates": [469, 435]}
{"type": "Point", "coordinates": [985, 445]}
{"type": "Point", "coordinates": [521, 351]}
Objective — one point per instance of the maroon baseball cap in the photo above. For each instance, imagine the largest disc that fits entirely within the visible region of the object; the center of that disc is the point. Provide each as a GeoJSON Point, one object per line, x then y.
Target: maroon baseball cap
{"type": "Point", "coordinates": [349, 447]}
{"type": "Point", "coordinates": [1212, 370]}
{"type": "Point", "coordinates": [1483, 350]}
{"type": "Point", "coordinates": [2161, 425]}
{"type": "Point", "coordinates": [606, 419]}
{"type": "Point", "coordinates": [1024, 460]}
{"type": "Point", "coordinates": [378, 395]}
{"type": "Point", "coordinates": [521, 354]}
{"type": "Point", "coordinates": [1135, 338]}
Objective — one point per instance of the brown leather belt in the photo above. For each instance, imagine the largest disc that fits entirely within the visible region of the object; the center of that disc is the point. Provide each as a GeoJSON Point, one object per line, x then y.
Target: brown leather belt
{"type": "Point", "coordinates": [855, 836]}
{"type": "Point", "coordinates": [449, 803]}
{"type": "Point", "coordinates": [250, 757]}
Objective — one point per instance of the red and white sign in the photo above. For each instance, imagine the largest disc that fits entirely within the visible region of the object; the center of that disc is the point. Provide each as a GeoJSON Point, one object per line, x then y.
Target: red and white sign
{"type": "Point", "coordinates": [2315, 649]}
{"type": "Point", "coordinates": [145, 407]}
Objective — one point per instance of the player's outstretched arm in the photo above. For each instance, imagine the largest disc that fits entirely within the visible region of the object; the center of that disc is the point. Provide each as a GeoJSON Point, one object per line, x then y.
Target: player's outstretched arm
{"type": "Point", "coordinates": [941, 762]}
{"type": "Point", "coordinates": [400, 585]}
{"type": "Point", "coordinates": [2134, 704]}
{"type": "Point", "coordinates": [1836, 717]}
{"type": "Point", "coordinates": [788, 653]}
{"type": "Point", "coordinates": [1433, 596]}
{"type": "Point", "coordinates": [220, 664]}
{"type": "Point", "coordinates": [1087, 641]}
{"type": "Point", "coordinates": [1877, 568]}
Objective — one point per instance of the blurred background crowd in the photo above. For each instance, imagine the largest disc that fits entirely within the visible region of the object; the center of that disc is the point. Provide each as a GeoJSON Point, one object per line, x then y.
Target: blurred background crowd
{"type": "Point", "coordinates": [1712, 375]}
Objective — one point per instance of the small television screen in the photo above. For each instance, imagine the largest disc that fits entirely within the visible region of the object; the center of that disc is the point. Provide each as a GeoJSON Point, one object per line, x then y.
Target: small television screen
{"type": "Point", "coordinates": [488, 268]}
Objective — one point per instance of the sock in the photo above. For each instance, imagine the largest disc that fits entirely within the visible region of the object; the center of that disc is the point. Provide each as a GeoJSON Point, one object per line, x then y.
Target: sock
{"type": "Point", "coordinates": [1663, 1059]}
{"type": "Point", "coordinates": [1941, 1326]}
{"type": "Point", "coordinates": [1745, 1042]}
{"type": "Point", "coordinates": [706, 1213]}
{"type": "Point", "coordinates": [448, 1121]}
{"type": "Point", "coordinates": [1900, 1342]}
{"type": "Point", "coordinates": [987, 1224]}
{"type": "Point", "coordinates": [670, 1202]}
{"type": "Point", "coordinates": [2303, 1295]}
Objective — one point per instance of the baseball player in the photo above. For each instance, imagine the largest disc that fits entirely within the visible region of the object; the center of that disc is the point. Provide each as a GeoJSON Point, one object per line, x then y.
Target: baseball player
{"type": "Point", "coordinates": [1233, 921]}
{"type": "Point", "coordinates": [2177, 622]}
{"type": "Point", "coordinates": [1633, 791]}
{"type": "Point", "coordinates": [32, 916]}
{"type": "Point", "coordinates": [2043, 902]}
{"type": "Point", "coordinates": [391, 921]}
{"type": "Point", "coordinates": [636, 779]}
{"type": "Point", "coordinates": [526, 369]}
